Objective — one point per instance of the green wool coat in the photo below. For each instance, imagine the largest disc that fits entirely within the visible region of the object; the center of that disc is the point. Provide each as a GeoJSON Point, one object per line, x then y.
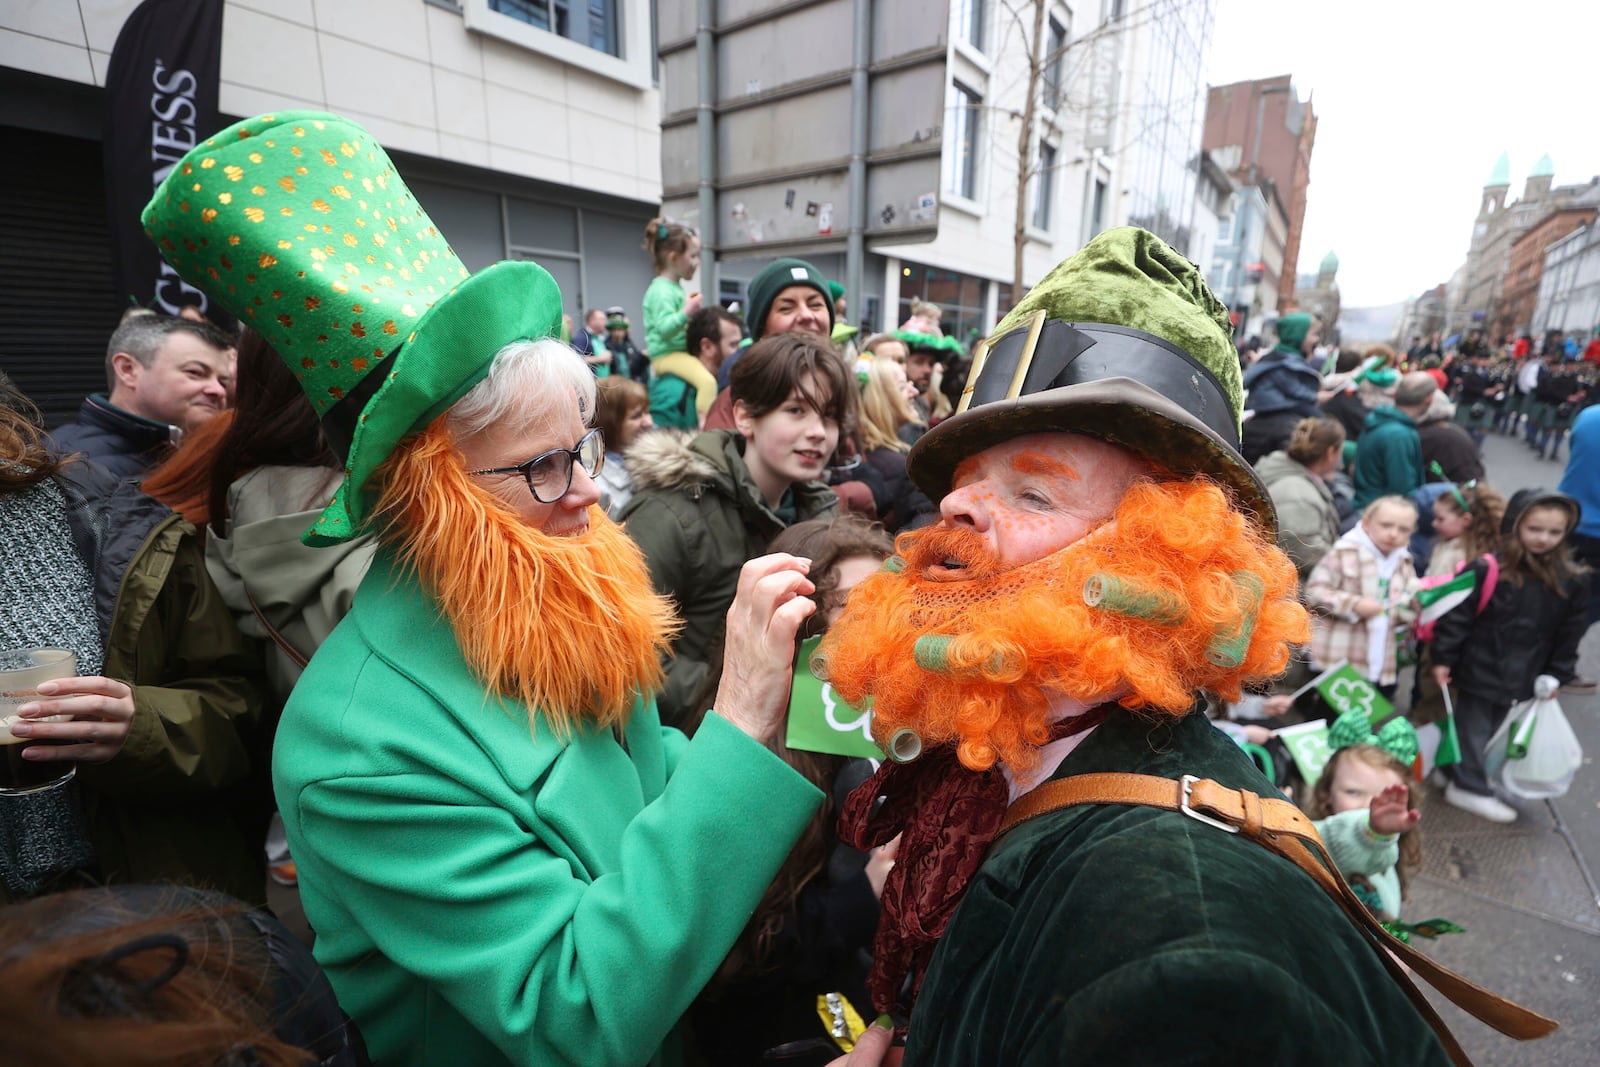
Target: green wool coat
{"type": "Point", "coordinates": [698, 517]}
{"type": "Point", "coordinates": [1130, 935]}
{"type": "Point", "coordinates": [484, 894]}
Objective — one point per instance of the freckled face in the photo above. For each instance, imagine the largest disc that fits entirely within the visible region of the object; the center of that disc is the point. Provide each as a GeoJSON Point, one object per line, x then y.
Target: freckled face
{"type": "Point", "coordinates": [1036, 494]}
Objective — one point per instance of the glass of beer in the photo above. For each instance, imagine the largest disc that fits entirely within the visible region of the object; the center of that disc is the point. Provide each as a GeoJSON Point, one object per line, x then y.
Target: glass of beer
{"type": "Point", "coordinates": [21, 673]}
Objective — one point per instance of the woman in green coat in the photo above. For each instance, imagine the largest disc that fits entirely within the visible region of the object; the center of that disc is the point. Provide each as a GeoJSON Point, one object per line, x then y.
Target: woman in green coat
{"type": "Point", "coordinates": [703, 505]}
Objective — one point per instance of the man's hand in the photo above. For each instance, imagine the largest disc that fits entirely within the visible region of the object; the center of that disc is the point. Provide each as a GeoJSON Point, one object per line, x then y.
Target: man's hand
{"type": "Point", "coordinates": [101, 711]}
{"type": "Point", "coordinates": [758, 658]}
{"type": "Point", "coordinates": [1388, 813]}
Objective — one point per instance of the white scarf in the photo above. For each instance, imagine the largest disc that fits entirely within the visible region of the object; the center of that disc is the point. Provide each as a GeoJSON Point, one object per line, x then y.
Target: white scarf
{"type": "Point", "coordinates": [1379, 628]}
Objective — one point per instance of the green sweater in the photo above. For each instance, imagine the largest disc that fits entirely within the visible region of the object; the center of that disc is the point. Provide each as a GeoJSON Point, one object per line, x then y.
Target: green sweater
{"type": "Point", "coordinates": [665, 323]}
{"type": "Point", "coordinates": [486, 894]}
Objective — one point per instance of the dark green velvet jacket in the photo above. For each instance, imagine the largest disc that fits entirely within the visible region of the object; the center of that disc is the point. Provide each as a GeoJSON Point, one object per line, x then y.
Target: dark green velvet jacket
{"type": "Point", "coordinates": [1130, 935]}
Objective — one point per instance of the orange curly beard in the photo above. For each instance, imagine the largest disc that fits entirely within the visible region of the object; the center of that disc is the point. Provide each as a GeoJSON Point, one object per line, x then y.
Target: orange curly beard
{"type": "Point", "coordinates": [569, 626]}
{"type": "Point", "coordinates": [1023, 636]}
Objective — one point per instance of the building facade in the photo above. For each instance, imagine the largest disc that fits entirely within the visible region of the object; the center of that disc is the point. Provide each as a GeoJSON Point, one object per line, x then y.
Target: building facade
{"type": "Point", "coordinates": [1267, 133]}
{"type": "Point", "coordinates": [1319, 294]}
{"type": "Point", "coordinates": [1248, 258]}
{"type": "Point", "coordinates": [1526, 268]}
{"type": "Point", "coordinates": [524, 137]}
{"type": "Point", "coordinates": [1569, 287]}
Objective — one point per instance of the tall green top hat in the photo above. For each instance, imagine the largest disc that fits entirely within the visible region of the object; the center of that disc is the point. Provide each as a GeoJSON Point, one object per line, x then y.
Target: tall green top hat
{"type": "Point", "coordinates": [299, 224]}
{"type": "Point", "coordinates": [1122, 341]}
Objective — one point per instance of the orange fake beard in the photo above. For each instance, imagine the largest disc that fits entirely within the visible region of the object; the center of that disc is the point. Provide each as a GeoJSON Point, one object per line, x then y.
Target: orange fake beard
{"type": "Point", "coordinates": [1020, 637]}
{"type": "Point", "coordinates": [571, 627]}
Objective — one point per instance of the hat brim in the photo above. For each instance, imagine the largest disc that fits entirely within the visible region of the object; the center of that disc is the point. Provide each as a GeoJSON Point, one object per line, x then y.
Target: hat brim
{"type": "Point", "coordinates": [1119, 411]}
{"type": "Point", "coordinates": [448, 352]}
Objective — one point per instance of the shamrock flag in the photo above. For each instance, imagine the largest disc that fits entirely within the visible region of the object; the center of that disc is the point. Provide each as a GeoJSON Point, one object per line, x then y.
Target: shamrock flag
{"type": "Point", "coordinates": [1343, 688]}
{"type": "Point", "coordinates": [820, 720]}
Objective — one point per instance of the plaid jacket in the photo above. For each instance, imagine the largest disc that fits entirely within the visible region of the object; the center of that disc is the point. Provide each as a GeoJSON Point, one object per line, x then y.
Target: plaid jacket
{"type": "Point", "coordinates": [1345, 575]}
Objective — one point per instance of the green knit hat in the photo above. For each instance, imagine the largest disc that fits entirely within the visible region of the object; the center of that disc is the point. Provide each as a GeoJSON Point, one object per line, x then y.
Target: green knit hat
{"type": "Point", "coordinates": [774, 279]}
{"type": "Point", "coordinates": [1122, 341]}
{"type": "Point", "coordinates": [299, 225]}
{"type": "Point", "coordinates": [1292, 329]}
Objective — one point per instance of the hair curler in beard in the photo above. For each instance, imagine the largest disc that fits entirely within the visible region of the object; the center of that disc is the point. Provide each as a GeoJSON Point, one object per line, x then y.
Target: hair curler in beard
{"type": "Point", "coordinates": [1228, 648]}
{"type": "Point", "coordinates": [1135, 600]}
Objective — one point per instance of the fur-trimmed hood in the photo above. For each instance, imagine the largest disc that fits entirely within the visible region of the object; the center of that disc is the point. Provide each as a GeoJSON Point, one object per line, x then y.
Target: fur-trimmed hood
{"type": "Point", "coordinates": [667, 460]}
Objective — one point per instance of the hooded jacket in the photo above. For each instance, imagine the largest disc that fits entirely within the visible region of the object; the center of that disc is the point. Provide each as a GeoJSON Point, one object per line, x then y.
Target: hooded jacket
{"type": "Point", "coordinates": [1446, 443]}
{"type": "Point", "coordinates": [1308, 522]}
{"type": "Point", "coordinates": [1282, 381]}
{"type": "Point", "coordinates": [698, 516]}
{"type": "Point", "coordinates": [1526, 629]}
{"type": "Point", "coordinates": [123, 443]}
{"type": "Point", "coordinates": [1389, 457]}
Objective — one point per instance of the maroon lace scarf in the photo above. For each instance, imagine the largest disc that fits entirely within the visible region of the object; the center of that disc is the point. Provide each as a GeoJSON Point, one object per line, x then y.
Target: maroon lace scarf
{"type": "Point", "coordinates": [948, 816]}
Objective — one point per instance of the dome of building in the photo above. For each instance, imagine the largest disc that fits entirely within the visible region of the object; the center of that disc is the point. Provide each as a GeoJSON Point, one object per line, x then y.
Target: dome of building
{"type": "Point", "coordinates": [1501, 175]}
{"type": "Point", "coordinates": [1545, 168]}
{"type": "Point", "coordinates": [1330, 264]}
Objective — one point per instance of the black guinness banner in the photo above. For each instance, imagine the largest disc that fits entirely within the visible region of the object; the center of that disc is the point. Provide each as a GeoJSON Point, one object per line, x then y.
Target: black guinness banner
{"type": "Point", "coordinates": [161, 99]}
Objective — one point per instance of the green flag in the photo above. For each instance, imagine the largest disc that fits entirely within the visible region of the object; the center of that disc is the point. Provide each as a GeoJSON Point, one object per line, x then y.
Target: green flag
{"type": "Point", "coordinates": [820, 720]}
{"type": "Point", "coordinates": [1449, 750]}
{"type": "Point", "coordinates": [1307, 743]}
{"type": "Point", "coordinates": [1345, 689]}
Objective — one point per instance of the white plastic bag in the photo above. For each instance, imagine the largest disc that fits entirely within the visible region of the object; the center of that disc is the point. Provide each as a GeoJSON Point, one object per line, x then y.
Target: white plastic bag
{"type": "Point", "coordinates": [1534, 754]}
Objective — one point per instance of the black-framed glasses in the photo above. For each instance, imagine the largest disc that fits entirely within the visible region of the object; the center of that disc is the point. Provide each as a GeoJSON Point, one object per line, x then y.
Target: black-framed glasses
{"type": "Point", "coordinates": [549, 474]}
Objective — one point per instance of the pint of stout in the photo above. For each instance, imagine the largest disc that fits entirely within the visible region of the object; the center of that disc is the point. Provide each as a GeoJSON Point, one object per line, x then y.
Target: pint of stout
{"type": "Point", "coordinates": [22, 671]}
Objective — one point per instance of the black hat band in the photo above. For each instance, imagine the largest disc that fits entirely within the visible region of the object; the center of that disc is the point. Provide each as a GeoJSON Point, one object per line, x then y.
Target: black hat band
{"type": "Point", "coordinates": [1038, 356]}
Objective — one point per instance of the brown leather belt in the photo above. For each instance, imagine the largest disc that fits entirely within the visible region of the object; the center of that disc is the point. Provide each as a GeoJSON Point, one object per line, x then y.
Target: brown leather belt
{"type": "Point", "coordinates": [1280, 827]}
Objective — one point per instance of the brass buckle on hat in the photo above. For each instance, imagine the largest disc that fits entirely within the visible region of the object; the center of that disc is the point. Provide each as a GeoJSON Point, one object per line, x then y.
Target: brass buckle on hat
{"type": "Point", "coordinates": [1189, 782]}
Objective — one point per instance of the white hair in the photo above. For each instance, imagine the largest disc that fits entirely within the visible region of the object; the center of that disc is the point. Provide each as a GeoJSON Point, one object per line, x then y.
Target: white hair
{"type": "Point", "coordinates": [527, 383]}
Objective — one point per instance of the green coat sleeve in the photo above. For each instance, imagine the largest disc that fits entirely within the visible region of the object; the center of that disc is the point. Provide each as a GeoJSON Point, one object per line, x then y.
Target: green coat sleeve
{"type": "Point", "coordinates": [548, 962]}
{"type": "Point", "coordinates": [196, 697]}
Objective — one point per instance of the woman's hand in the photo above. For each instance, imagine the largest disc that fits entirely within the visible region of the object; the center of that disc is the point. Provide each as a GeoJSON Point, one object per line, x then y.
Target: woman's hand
{"type": "Point", "coordinates": [101, 711]}
{"type": "Point", "coordinates": [758, 656]}
{"type": "Point", "coordinates": [1441, 675]}
{"type": "Point", "coordinates": [873, 1048]}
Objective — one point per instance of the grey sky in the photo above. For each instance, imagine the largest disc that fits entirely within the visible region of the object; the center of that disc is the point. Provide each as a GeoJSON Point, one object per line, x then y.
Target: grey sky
{"type": "Point", "coordinates": [1415, 99]}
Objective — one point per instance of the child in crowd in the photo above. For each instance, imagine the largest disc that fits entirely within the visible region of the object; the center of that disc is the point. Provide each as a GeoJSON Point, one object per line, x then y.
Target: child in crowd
{"type": "Point", "coordinates": [675, 253]}
{"type": "Point", "coordinates": [622, 413]}
{"type": "Point", "coordinates": [1361, 591]}
{"type": "Point", "coordinates": [1466, 524]}
{"type": "Point", "coordinates": [704, 505]}
{"type": "Point", "coordinates": [1365, 811]}
{"type": "Point", "coordinates": [811, 933]}
{"type": "Point", "coordinates": [1531, 626]}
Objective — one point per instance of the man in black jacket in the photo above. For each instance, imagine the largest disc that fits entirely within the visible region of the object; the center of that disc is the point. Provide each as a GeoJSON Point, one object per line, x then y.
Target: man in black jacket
{"type": "Point", "coordinates": [165, 375]}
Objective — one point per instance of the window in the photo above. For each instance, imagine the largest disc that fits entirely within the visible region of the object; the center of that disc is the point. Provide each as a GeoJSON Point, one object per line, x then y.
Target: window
{"type": "Point", "coordinates": [1097, 213]}
{"type": "Point", "coordinates": [1055, 44]}
{"type": "Point", "coordinates": [971, 15]}
{"type": "Point", "coordinates": [589, 22]}
{"type": "Point", "coordinates": [967, 124]}
{"type": "Point", "coordinates": [1044, 183]}
{"type": "Point", "coordinates": [1225, 230]}
{"type": "Point", "coordinates": [959, 296]}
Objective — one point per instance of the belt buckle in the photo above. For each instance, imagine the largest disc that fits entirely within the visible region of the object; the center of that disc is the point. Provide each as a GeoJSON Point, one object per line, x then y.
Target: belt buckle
{"type": "Point", "coordinates": [1189, 781]}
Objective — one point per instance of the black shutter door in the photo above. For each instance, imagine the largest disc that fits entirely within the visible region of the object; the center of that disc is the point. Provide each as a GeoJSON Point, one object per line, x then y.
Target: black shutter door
{"type": "Point", "coordinates": [58, 304]}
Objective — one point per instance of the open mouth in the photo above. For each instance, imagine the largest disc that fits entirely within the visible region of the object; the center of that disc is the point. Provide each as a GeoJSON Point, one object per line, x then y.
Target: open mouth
{"type": "Point", "coordinates": [810, 458]}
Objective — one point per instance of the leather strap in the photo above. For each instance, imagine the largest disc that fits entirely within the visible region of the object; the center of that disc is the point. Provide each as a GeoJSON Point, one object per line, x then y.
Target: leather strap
{"type": "Point", "coordinates": [1280, 827]}
{"type": "Point", "coordinates": [272, 631]}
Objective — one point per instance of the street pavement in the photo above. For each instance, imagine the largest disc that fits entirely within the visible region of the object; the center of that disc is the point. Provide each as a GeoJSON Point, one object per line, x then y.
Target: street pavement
{"type": "Point", "coordinates": [1527, 892]}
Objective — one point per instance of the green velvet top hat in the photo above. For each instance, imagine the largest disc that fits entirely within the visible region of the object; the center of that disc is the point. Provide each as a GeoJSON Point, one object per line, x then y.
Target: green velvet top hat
{"type": "Point", "coordinates": [1122, 341]}
{"type": "Point", "coordinates": [299, 225]}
